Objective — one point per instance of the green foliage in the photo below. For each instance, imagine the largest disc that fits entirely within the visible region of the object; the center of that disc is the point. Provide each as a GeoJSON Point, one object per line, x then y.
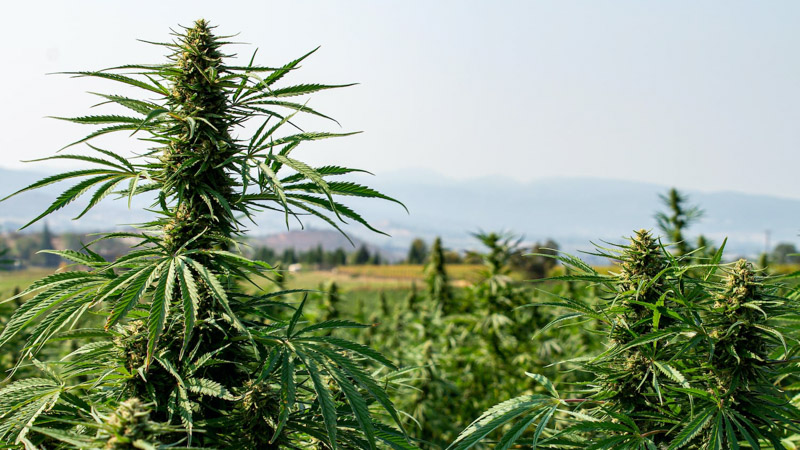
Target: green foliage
{"type": "Point", "coordinates": [695, 357]}
{"type": "Point", "coordinates": [539, 262]}
{"type": "Point", "coordinates": [679, 216]}
{"type": "Point", "coordinates": [417, 252]}
{"type": "Point", "coordinates": [437, 280]}
{"type": "Point", "coordinates": [466, 353]}
{"type": "Point", "coordinates": [785, 253]}
{"type": "Point", "coordinates": [186, 357]}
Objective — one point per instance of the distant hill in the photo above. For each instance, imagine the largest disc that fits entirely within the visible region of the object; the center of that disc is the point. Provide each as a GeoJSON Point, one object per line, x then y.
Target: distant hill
{"type": "Point", "coordinates": [572, 211]}
{"type": "Point", "coordinates": [305, 240]}
{"type": "Point", "coordinates": [17, 211]}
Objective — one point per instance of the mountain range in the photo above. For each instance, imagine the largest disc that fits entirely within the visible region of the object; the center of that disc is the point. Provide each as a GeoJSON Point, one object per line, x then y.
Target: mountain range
{"type": "Point", "coordinates": [572, 211]}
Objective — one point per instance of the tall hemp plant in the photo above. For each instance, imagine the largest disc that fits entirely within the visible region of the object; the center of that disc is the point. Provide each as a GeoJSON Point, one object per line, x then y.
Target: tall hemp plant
{"type": "Point", "coordinates": [678, 217]}
{"type": "Point", "coordinates": [186, 356]}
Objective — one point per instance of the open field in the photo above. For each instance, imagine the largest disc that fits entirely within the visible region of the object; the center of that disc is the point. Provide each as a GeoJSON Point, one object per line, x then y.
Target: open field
{"type": "Point", "coordinates": [20, 279]}
{"type": "Point", "coordinates": [468, 272]}
{"type": "Point", "coordinates": [379, 277]}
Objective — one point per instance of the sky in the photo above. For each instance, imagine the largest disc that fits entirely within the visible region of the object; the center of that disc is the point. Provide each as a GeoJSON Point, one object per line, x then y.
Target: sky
{"type": "Point", "coordinates": [699, 95]}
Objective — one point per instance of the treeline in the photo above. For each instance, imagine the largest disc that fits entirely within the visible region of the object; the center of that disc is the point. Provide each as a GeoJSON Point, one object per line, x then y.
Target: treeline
{"type": "Point", "coordinates": [318, 257]}
{"type": "Point", "coordinates": [533, 262]}
{"type": "Point", "coordinates": [22, 250]}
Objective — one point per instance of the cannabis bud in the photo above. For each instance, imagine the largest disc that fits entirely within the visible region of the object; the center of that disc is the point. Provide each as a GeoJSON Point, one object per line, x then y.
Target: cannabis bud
{"type": "Point", "coordinates": [128, 424]}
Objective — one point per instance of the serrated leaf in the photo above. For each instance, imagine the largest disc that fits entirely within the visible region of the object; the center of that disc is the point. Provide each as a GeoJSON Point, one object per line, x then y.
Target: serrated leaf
{"type": "Point", "coordinates": [159, 309]}
{"type": "Point", "coordinates": [190, 299]}
{"type": "Point", "coordinates": [672, 373]}
{"type": "Point", "coordinates": [207, 387]}
{"type": "Point", "coordinates": [217, 291]}
{"type": "Point", "coordinates": [352, 346]}
{"type": "Point", "coordinates": [325, 400]}
{"type": "Point", "coordinates": [495, 417]}
{"type": "Point", "coordinates": [545, 382]}
{"type": "Point", "coordinates": [133, 294]}
{"type": "Point", "coordinates": [288, 394]}
{"type": "Point", "coordinates": [692, 428]}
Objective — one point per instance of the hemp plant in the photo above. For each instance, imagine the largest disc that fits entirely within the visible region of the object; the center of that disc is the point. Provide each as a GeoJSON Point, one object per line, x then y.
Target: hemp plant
{"type": "Point", "coordinates": [695, 358]}
{"type": "Point", "coordinates": [678, 217]}
{"type": "Point", "coordinates": [187, 356]}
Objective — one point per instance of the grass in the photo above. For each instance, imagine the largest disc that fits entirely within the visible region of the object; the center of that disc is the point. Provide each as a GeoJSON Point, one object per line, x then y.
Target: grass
{"type": "Point", "coordinates": [20, 279]}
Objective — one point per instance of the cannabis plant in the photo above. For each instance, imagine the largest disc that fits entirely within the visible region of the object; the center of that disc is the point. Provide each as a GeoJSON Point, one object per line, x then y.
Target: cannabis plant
{"type": "Point", "coordinates": [690, 362]}
{"type": "Point", "coordinates": [436, 278]}
{"type": "Point", "coordinates": [188, 356]}
{"type": "Point", "coordinates": [678, 217]}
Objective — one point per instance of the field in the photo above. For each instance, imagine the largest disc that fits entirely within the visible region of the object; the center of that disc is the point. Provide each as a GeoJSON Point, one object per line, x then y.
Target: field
{"type": "Point", "coordinates": [418, 332]}
{"type": "Point", "coordinates": [11, 281]}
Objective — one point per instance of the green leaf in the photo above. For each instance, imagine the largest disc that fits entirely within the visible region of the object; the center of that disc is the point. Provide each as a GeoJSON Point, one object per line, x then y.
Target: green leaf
{"type": "Point", "coordinates": [207, 387]}
{"type": "Point", "coordinates": [329, 325]}
{"type": "Point", "coordinates": [309, 173]}
{"type": "Point", "coordinates": [84, 158]}
{"type": "Point", "coordinates": [296, 316]}
{"type": "Point", "coordinates": [364, 380]}
{"type": "Point", "coordinates": [184, 409]}
{"type": "Point", "coordinates": [122, 79]}
{"type": "Point", "coordinates": [302, 89]}
{"type": "Point", "coordinates": [159, 310]}
{"type": "Point", "coordinates": [338, 208]}
{"type": "Point", "coordinates": [280, 73]}
{"type": "Point", "coordinates": [94, 120]}
{"type": "Point", "coordinates": [69, 196]}
{"type": "Point", "coordinates": [544, 381]}
{"type": "Point", "coordinates": [150, 116]}
{"type": "Point", "coordinates": [672, 373]}
{"type": "Point", "coordinates": [273, 360]}
{"type": "Point", "coordinates": [288, 394]}
{"type": "Point", "coordinates": [139, 106]}
{"type": "Point", "coordinates": [294, 106]}
{"type": "Point", "coordinates": [543, 424]}
{"type": "Point", "coordinates": [101, 193]}
{"type": "Point", "coordinates": [357, 404]}
{"type": "Point", "coordinates": [345, 188]}
{"type": "Point", "coordinates": [295, 139]}
{"type": "Point", "coordinates": [651, 337]}
{"type": "Point", "coordinates": [39, 305]}
{"type": "Point", "coordinates": [133, 294]}
{"type": "Point", "coordinates": [277, 187]}
{"type": "Point", "coordinates": [217, 291]}
{"type": "Point", "coordinates": [60, 177]}
{"type": "Point", "coordinates": [323, 171]}
{"type": "Point", "coordinates": [510, 437]}
{"type": "Point", "coordinates": [101, 132]}
{"type": "Point", "coordinates": [693, 428]}
{"type": "Point", "coordinates": [325, 400]}
{"type": "Point", "coordinates": [497, 416]}
{"type": "Point", "coordinates": [190, 301]}
{"type": "Point", "coordinates": [352, 346]}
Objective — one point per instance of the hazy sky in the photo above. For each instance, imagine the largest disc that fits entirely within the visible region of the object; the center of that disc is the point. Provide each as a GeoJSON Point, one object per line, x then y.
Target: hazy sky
{"type": "Point", "coordinates": [701, 95]}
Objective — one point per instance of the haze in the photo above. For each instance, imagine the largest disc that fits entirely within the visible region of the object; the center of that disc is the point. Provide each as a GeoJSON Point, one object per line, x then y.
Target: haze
{"type": "Point", "coordinates": [699, 95]}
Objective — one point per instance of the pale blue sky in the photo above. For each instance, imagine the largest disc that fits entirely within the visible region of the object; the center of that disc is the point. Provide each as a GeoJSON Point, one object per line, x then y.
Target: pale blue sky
{"type": "Point", "coordinates": [700, 95]}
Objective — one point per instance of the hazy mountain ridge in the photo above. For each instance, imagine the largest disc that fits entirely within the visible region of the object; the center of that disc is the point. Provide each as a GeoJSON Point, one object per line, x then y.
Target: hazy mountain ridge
{"type": "Point", "coordinates": [571, 211]}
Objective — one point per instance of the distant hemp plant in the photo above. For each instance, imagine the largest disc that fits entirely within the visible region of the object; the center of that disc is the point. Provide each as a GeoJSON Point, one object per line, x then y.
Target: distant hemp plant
{"type": "Point", "coordinates": [186, 357]}
{"type": "Point", "coordinates": [693, 362]}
